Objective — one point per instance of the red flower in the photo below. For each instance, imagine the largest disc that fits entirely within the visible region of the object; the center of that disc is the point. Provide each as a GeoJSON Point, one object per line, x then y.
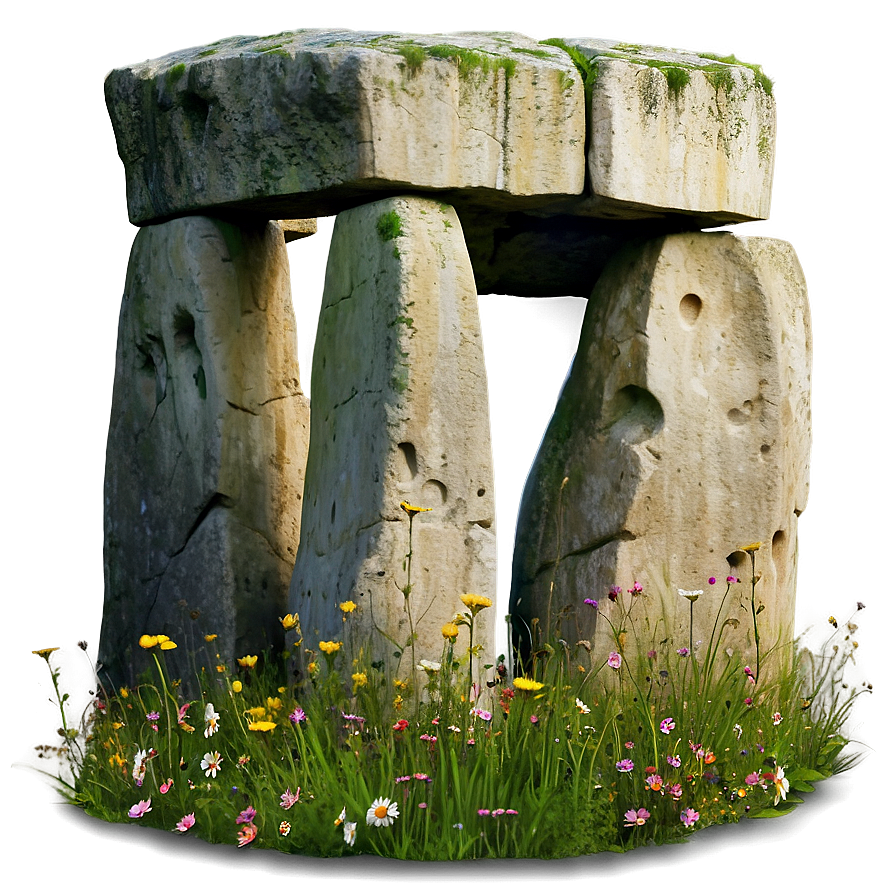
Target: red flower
{"type": "Point", "coordinates": [401, 725]}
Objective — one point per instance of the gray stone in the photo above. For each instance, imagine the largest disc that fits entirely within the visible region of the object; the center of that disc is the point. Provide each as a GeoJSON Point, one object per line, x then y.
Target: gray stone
{"type": "Point", "coordinates": [677, 131]}
{"type": "Point", "coordinates": [399, 412]}
{"type": "Point", "coordinates": [207, 446]}
{"type": "Point", "coordinates": [682, 434]}
{"type": "Point", "coordinates": [311, 122]}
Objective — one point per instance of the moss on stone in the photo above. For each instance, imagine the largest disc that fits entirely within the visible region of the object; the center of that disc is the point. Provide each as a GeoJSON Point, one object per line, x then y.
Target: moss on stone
{"type": "Point", "coordinates": [469, 61]}
{"type": "Point", "coordinates": [389, 226]}
{"type": "Point", "coordinates": [174, 74]}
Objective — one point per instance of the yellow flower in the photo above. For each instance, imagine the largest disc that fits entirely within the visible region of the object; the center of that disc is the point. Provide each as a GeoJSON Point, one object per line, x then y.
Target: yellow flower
{"type": "Point", "coordinates": [147, 641]}
{"type": "Point", "coordinates": [275, 704]}
{"type": "Point", "coordinates": [751, 548]}
{"type": "Point", "coordinates": [527, 684]}
{"type": "Point", "coordinates": [262, 726]}
{"type": "Point", "coordinates": [117, 725]}
{"type": "Point", "coordinates": [44, 652]}
{"type": "Point", "coordinates": [360, 679]}
{"type": "Point", "coordinates": [247, 662]}
{"type": "Point", "coordinates": [167, 644]}
{"type": "Point", "coordinates": [348, 606]}
{"type": "Point", "coordinates": [162, 638]}
{"type": "Point", "coordinates": [450, 630]}
{"type": "Point", "coordinates": [475, 601]}
{"type": "Point", "coordinates": [412, 511]}
{"type": "Point", "coordinates": [330, 647]}
{"type": "Point", "coordinates": [221, 668]}
{"type": "Point", "coordinates": [210, 638]}
{"type": "Point", "coordinates": [312, 668]}
{"type": "Point", "coordinates": [257, 712]}
{"type": "Point", "coordinates": [400, 683]}
{"type": "Point", "coordinates": [237, 687]}
{"type": "Point", "coordinates": [124, 692]}
{"type": "Point", "coordinates": [290, 620]}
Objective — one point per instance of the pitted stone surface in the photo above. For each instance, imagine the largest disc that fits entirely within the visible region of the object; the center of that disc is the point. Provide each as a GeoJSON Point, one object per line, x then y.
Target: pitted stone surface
{"type": "Point", "coordinates": [307, 123]}
{"type": "Point", "coordinates": [399, 412]}
{"type": "Point", "coordinates": [683, 434]}
{"type": "Point", "coordinates": [677, 130]}
{"type": "Point", "coordinates": [207, 445]}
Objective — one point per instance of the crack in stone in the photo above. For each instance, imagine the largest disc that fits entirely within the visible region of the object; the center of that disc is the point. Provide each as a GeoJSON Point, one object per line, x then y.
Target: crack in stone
{"type": "Point", "coordinates": [623, 535]}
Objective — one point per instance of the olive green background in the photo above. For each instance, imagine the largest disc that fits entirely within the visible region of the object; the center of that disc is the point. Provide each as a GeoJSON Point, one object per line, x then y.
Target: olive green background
{"type": "Point", "coordinates": [66, 241]}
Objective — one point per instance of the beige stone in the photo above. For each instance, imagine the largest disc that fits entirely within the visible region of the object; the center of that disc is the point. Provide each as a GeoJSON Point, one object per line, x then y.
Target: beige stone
{"type": "Point", "coordinates": [207, 445]}
{"type": "Point", "coordinates": [682, 434]}
{"type": "Point", "coordinates": [311, 122]}
{"type": "Point", "coordinates": [297, 228]}
{"type": "Point", "coordinates": [672, 131]}
{"type": "Point", "coordinates": [399, 412]}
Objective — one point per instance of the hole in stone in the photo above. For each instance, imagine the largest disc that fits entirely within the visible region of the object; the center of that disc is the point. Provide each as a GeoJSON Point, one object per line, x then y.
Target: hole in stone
{"type": "Point", "coordinates": [480, 492]}
{"type": "Point", "coordinates": [634, 414]}
{"type": "Point", "coordinates": [779, 550]}
{"type": "Point", "coordinates": [434, 492]}
{"type": "Point", "coordinates": [408, 471]}
{"type": "Point", "coordinates": [764, 449]}
{"type": "Point", "coordinates": [689, 308]}
{"type": "Point", "coordinates": [739, 563]}
{"type": "Point", "coordinates": [333, 513]}
{"type": "Point", "coordinates": [740, 415]}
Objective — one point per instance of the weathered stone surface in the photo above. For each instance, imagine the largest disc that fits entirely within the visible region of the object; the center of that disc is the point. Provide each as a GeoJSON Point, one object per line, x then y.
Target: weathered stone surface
{"type": "Point", "coordinates": [683, 433]}
{"type": "Point", "coordinates": [399, 409]}
{"type": "Point", "coordinates": [672, 130]}
{"type": "Point", "coordinates": [311, 122]}
{"type": "Point", "coordinates": [298, 228]}
{"type": "Point", "coordinates": [207, 446]}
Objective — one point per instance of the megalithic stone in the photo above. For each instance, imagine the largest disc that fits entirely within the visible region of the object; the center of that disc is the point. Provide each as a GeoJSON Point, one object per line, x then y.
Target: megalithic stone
{"type": "Point", "coordinates": [681, 435]}
{"type": "Point", "coordinates": [207, 447]}
{"type": "Point", "coordinates": [399, 412]}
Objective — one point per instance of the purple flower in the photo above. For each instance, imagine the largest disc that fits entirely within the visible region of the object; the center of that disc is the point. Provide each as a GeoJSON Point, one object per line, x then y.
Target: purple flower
{"type": "Point", "coordinates": [674, 791]}
{"type": "Point", "coordinates": [712, 580]}
{"type": "Point", "coordinates": [483, 812]}
{"type": "Point", "coordinates": [636, 817]}
{"type": "Point", "coordinates": [152, 716]}
{"type": "Point", "coordinates": [483, 714]}
{"type": "Point", "coordinates": [297, 715]}
{"type": "Point", "coordinates": [614, 660]}
{"type": "Point", "coordinates": [674, 761]}
{"type": "Point", "coordinates": [614, 592]}
{"type": "Point", "coordinates": [138, 810]}
{"type": "Point", "coordinates": [732, 579]}
{"type": "Point", "coordinates": [246, 816]}
{"type": "Point", "coordinates": [667, 725]}
{"type": "Point", "coordinates": [689, 817]}
{"type": "Point", "coordinates": [683, 651]}
{"type": "Point", "coordinates": [637, 588]}
{"type": "Point", "coordinates": [625, 765]}
{"type": "Point", "coordinates": [589, 602]}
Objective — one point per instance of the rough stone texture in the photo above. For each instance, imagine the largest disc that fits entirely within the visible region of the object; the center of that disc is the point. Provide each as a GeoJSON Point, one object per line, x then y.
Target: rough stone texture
{"type": "Point", "coordinates": [311, 122]}
{"type": "Point", "coordinates": [298, 228]}
{"type": "Point", "coordinates": [655, 143]}
{"type": "Point", "coordinates": [207, 446]}
{"type": "Point", "coordinates": [399, 413]}
{"type": "Point", "coordinates": [684, 432]}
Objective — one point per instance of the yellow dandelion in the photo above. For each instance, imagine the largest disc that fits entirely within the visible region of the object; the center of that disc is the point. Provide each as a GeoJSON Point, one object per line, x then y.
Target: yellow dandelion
{"type": "Point", "coordinates": [330, 647]}
{"type": "Point", "coordinates": [751, 548]}
{"type": "Point", "coordinates": [167, 644]}
{"type": "Point", "coordinates": [475, 601]}
{"type": "Point", "coordinates": [274, 704]}
{"type": "Point", "coordinates": [290, 620]}
{"type": "Point", "coordinates": [450, 630]}
{"type": "Point", "coordinates": [147, 641]}
{"type": "Point", "coordinates": [210, 638]}
{"type": "Point", "coordinates": [237, 687]}
{"type": "Point", "coordinates": [412, 511]}
{"type": "Point", "coordinates": [348, 606]}
{"type": "Point", "coordinates": [162, 638]}
{"type": "Point", "coordinates": [44, 652]}
{"type": "Point", "coordinates": [257, 712]}
{"type": "Point", "coordinates": [359, 679]}
{"type": "Point", "coordinates": [247, 661]}
{"type": "Point", "coordinates": [312, 668]}
{"type": "Point", "coordinates": [124, 692]}
{"type": "Point", "coordinates": [527, 684]}
{"type": "Point", "coordinates": [221, 668]}
{"type": "Point", "coordinates": [262, 726]}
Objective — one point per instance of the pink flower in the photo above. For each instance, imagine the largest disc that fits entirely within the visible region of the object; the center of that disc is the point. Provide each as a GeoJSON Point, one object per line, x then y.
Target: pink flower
{"type": "Point", "coordinates": [297, 715]}
{"type": "Point", "coordinates": [674, 791]}
{"type": "Point", "coordinates": [289, 799]}
{"type": "Point", "coordinates": [589, 602]}
{"type": "Point", "coordinates": [625, 765]}
{"type": "Point", "coordinates": [689, 817]}
{"type": "Point", "coordinates": [431, 738]}
{"type": "Point", "coordinates": [614, 660]}
{"type": "Point", "coordinates": [674, 761]}
{"type": "Point", "coordinates": [483, 714]}
{"type": "Point", "coordinates": [533, 720]}
{"type": "Point", "coordinates": [614, 592]}
{"type": "Point", "coordinates": [400, 725]}
{"type": "Point", "coordinates": [712, 580]}
{"type": "Point", "coordinates": [637, 588]}
{"type": "Point", "coordinates": [247, 816]}
{"type": "Point", "coordinates": [752, 779]}
{"type": "Point", "coordinates": [636, 817]}
{"type": "Point", "coordinates": [182, 713]}
{"type": "Point", "coordinates": [246, 835]}
{"type": "Point", "coordinates": [732, 579]}
{"type": "Point", "coordinates": [185, 823]}
{"type": "Point", "coordinates": [667, 725]}
{"type": "Point", "coordinates": [654, 782]}
{"type": "Point", "coordinates": [164, 788]}
{"type": "Point", "coordinates": [138, 810]}
{"type": "Point", "coordinates": [683, 651]}
{"type": "Point", "coordinates": [629, 745]}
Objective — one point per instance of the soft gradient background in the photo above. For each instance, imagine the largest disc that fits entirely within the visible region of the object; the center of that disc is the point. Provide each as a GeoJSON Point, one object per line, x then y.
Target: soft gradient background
{"type": "Point", "coordinates": [66, 240]}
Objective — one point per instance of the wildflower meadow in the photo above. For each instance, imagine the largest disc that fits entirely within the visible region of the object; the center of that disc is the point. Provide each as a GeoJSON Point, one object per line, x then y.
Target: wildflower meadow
{"type": "Point", "coordinates": [337, 748]}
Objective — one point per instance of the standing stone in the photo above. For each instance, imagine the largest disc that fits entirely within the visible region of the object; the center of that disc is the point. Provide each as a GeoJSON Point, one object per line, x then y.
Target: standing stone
{"type": "Point", "coordinates": [399, 413]}
{"type": "Point", "coordinates": [207, 447]}
{"type": "Point", "coordinates": [682, 434]}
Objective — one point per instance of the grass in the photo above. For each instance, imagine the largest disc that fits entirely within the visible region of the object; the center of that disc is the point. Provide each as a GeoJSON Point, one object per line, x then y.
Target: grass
{"type": "Point", "coordinates": [575, 754]}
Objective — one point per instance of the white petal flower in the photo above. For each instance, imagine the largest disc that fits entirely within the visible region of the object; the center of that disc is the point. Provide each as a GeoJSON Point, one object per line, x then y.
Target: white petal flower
{"type": "Point", "coordinates": [382, 813]}
{"type": "Point", "coordinates": [348, 832]}
{"type": "Point", "coordinates": [211, 720]}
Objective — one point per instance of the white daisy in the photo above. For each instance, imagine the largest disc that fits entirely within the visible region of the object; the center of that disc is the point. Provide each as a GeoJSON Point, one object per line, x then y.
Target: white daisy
{"type": "Point", "coordinates": [782, 785]}
{"type": "Point", "coordinates": [211, 763]}
{"type": "Point", "coordinates": [382, 813]}
{"type": "Point", "coordinates": [348, 832]}
{"type": "Point", "coordinates": [211, 720]}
